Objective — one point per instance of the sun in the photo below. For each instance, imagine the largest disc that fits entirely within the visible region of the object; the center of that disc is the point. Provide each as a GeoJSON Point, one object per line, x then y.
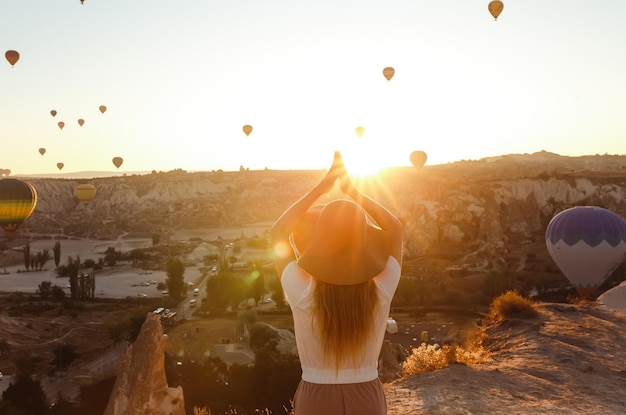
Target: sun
{"type": "Point", "coordinates": [362, 164]}
{"type": "Point", "coordinates": [362, 169]}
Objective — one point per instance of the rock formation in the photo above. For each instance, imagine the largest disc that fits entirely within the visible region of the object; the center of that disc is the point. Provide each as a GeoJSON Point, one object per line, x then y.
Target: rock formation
{"type": "Point", "coordinates": [141, 386]}
{"type": "Point", "coordinates": [470, 213]}
{"type": "Point", "coordinates": [390, 361]}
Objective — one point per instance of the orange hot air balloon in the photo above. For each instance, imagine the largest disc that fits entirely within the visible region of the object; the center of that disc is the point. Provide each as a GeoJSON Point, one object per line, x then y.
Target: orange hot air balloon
{"type": "Point", "coordinates": [53, 112]}
{"type": "Point", "coordinates": [81, 122]}
{"type": "Point", "coordinates": [360, 131]}
{"type": "Point", "coordinates": [388, 72]}
{"type": "Point", "coordinates": [495, 8]}
{"type": "Point", "coordinates": [418, 158]}
{"type": "Point", "coordinates": [60, 166]}
{"type": "Point", "coordinates": [117, 161]}
{"type": "Point", "coordinates": [17, 201]}
{"type": "Point", "coordinates": [12, 56]}
{"type": "Point", "coordinates": [85, 192]}
{"type": "Point", "coordinates": [42, 151]}
{"type": "Point", "coordinates": [61, 124]}
{"type": "Point", "coordinates": [102, 108]}
{"type": "Point", "coordinates": [247, 129]}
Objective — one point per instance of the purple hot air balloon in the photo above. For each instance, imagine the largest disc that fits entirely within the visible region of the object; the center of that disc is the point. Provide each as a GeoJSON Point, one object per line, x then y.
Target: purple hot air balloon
{"type": "Point", "coordinates": [587, 243]}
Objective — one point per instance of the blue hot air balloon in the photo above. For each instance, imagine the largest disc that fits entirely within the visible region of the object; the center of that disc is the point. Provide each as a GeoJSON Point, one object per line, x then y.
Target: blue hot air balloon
{"type": "Point", "coordinates": [587, 243]}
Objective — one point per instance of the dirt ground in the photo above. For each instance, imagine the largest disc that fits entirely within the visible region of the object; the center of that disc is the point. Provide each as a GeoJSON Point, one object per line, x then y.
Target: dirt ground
{"type": "Point", "coordinates": [569, 360]}
{"type": "Point", "coordinates": [35, 336]}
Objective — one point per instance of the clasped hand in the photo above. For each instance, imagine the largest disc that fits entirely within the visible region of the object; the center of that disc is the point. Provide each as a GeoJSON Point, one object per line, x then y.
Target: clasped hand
{"type": "Point", "coordinates": [337, 171]}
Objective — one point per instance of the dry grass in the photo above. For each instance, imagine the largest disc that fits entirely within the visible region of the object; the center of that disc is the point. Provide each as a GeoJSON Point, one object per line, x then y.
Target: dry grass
{"type": "Point", "coordinates": [511, 305]}
{"type": "Point", "coordinates": [206, 411]}
{"type": "Point", "coordinates": [432, 357]}
{"type": "Point", "coordinates": [428, 357]}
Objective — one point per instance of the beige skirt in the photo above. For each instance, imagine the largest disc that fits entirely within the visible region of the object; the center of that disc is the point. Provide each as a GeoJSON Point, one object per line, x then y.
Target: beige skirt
{"type": "Point", "coordinates": [367, 398]}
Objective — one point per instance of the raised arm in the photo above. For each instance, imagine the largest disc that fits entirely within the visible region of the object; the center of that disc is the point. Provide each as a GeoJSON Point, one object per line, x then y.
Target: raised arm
{"type": "Point", "coordinates": [287, 222]}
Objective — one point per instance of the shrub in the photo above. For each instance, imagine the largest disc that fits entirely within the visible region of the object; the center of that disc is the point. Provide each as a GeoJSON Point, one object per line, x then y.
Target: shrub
{"type": "Point", "coordinates": [511, 305]}
{"type": "Point", "coordinates": [428, 358]}
{"type": "Point", "coordinates": [425, 358]}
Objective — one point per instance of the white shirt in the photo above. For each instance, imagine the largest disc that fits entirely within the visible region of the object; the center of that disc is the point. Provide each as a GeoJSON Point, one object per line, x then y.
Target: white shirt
{"type": "Point", "coordinates": [298, 286]}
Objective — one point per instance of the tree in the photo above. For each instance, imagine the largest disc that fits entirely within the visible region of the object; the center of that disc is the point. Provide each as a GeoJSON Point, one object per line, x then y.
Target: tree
{"type": "Point", "coordinates": [276, 377]}
{"type": "Point", "coordinates": [257, 289]}
{"type": "Point", "coordinates": [4, 346]}
{"type": "Point", "coordinates": [215, 294]}
{"type": "Point", "coordinates": [110, 256]}
{"type": "Point", "coordinates": [42, 258]}
{"type": "Point", "coordinates": [27, 396]}
{"type": "Point", "coordinates": [224, 291]}
{"type": "Point", "coordinates": [57, 253]}
{"type": "Point", "coordinates": [175, 281]}
{"type": "Point", "coordinates": [72, 271]}
{"type": "Point", "coordinates": [26, 250]}
{"type": "Point", "coordinates": [57, 293]}
{"type": "Point", "coordinates": [64, 355]}
{"type": "Point", "coordinates": [44, 289]}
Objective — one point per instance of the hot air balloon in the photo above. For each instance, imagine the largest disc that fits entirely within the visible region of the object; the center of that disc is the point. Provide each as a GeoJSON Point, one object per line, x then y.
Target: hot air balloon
{"type": "Point", "coordinates": [85, 193]}
{"type": "Point", "coordinates": [102, 108]}
{"type": "Point", "coordinates": [117, 161]}
{"type": "Point", "coordinates": [247, 129]}
{"type": "Point", "coordinates": [587, 243]}
{"type": "Point", "coordinates": [388, 72]}
{"type": "Point", "coordinates": [53, 112]}
{"type": "Point", "coordinates": [418, 158]}
{"type": "Point", "coordinates": [61, 124]}
{"type": "Point", "coordinates": [495, 8]}
{"type": "Point", "coordinates": [360, 131]}
{"type": "Point", "coordinates": [60, 166]}
{"type": "Point", "coordinates": [17, 202]}
{"type": "Point", "coordinates": [81, 122]}
{"type": "Point", "coordinates": [42, 151]}
{"type": "Point", "coordinates": [12, 56]}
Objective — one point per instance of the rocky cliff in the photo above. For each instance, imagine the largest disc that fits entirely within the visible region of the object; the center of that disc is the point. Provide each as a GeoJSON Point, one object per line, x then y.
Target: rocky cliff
{"type": "Point", "coordinates": [141, 385]}
{"type": "Point", "coordinates": [469, 215]}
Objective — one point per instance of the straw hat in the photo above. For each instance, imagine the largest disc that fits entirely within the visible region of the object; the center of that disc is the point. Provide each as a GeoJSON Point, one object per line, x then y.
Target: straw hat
{"type": "Point", "coordinates": [303, 232]}
{"type": "Point", "coordinates": [342, 247]}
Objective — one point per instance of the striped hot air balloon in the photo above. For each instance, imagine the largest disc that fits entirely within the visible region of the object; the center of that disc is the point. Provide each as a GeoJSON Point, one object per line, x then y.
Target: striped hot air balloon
{"type": "Point", "coordinates": [17, 202]}
{"type": "Point", "coordinates": [85, 192]}
{"type": "Point", "coordinates": [587, 243]}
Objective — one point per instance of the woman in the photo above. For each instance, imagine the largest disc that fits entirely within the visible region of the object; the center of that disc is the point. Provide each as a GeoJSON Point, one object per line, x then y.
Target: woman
{"type": "Point", "coordinates": [339, 281]}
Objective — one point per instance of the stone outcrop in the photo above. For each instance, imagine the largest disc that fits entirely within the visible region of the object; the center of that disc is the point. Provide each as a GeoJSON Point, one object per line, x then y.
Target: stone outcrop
{"type": "Point", "coordinates": [468, 212]}
{"type": "Point", "coordinates": [141, 385]}
{"type": "Point", "coordinates": [390, 361]}
{"type": "Point", "coordinates": [266, 336]}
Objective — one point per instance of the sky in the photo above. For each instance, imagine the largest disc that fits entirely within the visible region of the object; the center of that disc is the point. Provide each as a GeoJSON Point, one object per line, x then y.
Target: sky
{"type": "Point", "coordinates": [181, 78]}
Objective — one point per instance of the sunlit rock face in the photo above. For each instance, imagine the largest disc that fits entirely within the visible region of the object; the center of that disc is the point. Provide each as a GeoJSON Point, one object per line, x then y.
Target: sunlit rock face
{"type": "Point", "coordinates": [141, 385]}
{"type": "Point", "coordinates": [470, 212]}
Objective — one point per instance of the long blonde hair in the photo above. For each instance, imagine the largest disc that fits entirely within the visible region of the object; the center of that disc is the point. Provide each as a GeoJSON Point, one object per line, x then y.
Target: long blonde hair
{"type": "Point", "coordinates": [345, 316]}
